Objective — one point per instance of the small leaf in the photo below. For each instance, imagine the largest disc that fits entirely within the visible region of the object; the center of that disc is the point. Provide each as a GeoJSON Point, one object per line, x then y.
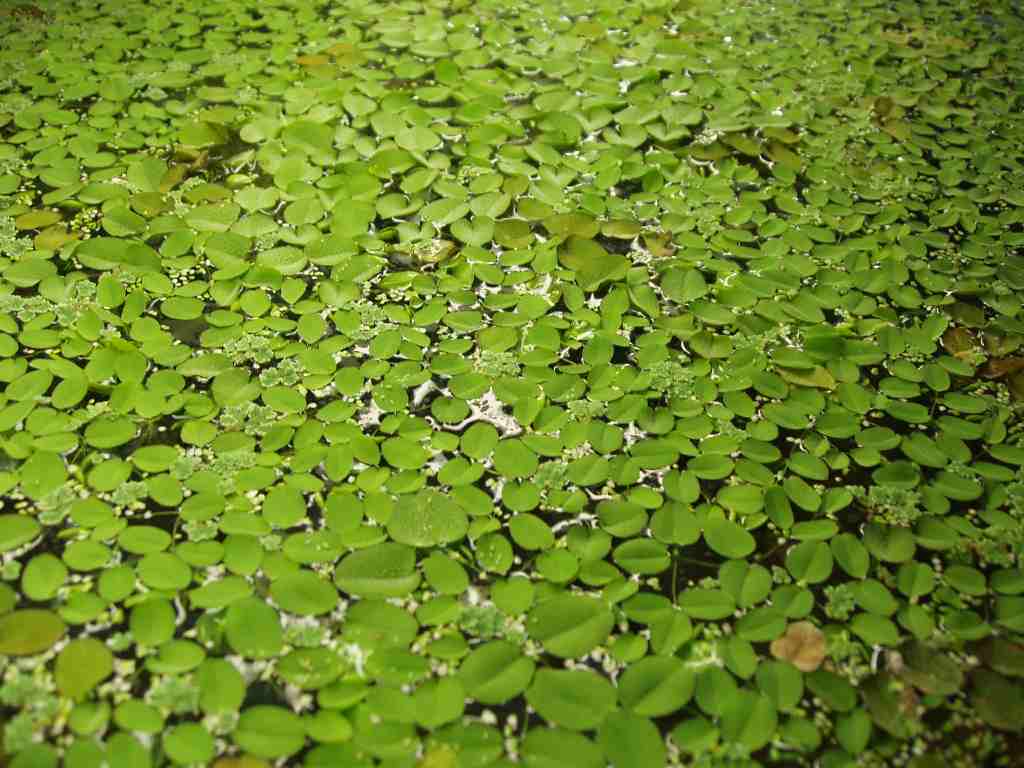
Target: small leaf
{"type": "Point", "coordinates": [17, 530]}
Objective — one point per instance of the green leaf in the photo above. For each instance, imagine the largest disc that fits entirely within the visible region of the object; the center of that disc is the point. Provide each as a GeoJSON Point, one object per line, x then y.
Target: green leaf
{"type": "Point", "coordinates": [888, 543]}
{"type": "Point", "coordinates": [221, 686]}
{"type": "Point", "coordinates": [874, 629]}
{"type": "Point", "coordinates": [853, 731]}
{"type": "Point", "coordinates": [202, 134]}
{"type": "Point", "coordinates": [269, 731]}
{"type": "Point", "coordinates": [418, 139]}
{"type": "Point", "coordinates": [107, 253]}
{"type": "Point", "coordinates": [29, 631]}
{"type": "Point", "coordinates": [530, 532]}
{"type": "Point", "coordinates": [445, 574]}
{"type": "Point", "coordinates": [253, 629]}
{"type": "Point", "coordinates": [382, 570]}
{"type": "Point", "coordinates": [570, 626]}
{"type": "Point", "coordinates": [642, 556]}
{"type": "Point", "coordinates": [17, 530]}
{"type": "Point", "coordinates": [707, 604]}
{"type": "Point", "coordinates": [559, 748]}
{"type": "Point", "coordinates": [749, 719]}
{"type": "Point", "coordinates": [439, 701]}
{"type": "Point", "coordinates": [189, 744]}
{"type": "Point", "coordinates": [426, 519]}
{"type": "Point", "coordinates": [851, 555]}
{"type": "Point", "coordinates": [592, 264]}
{"type": "Point", "coordinates": [494, 553]}
{"type": "Point", "coordinates": [810, 562]}
{"type": "Point", "coordinates": [304, 593]}
{"type": "Point", "coordinates": [403, 453]}
{"type": "Point", "coordinates": [630, 741]}
{"type": "Point", "coordinates": [42, 473]}
{"type": "Point", "coordinates": [513, 459]}
{"type": "Point", "coordinates": [109, 432]}
{"type": "Point", "coordinates": [782, 683]}
{"type": "Point", "coordinates": [82, 665]}
{"type": "Point", "coordinates": [164, 570]}
{"type": "Point", "coordinates": [728, 539]}
{"type": "Point", "coordinates": [573, 699]}
{"type": "Point", "coordinates": [443, 212]}
{"type": "Point", "coordinates": [656, 686]}
{"type": "Point", "coordinates": [42, 577]}
{"type": "Point", "coordinates": [312, 138]}
{"type": "Point", "coordinates": [496, 672]}
{"type": "Point", "coordinates": [747, 584]}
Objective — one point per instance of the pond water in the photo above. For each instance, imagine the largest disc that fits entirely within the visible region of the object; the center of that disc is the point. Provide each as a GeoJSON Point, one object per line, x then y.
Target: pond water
{"type": "Point", "coordinates": [464, 384]}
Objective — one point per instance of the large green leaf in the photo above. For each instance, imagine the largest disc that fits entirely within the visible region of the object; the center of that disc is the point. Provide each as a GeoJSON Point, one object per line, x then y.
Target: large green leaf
{"type": "Point", "coordinates": [29, 631]}
{"type": "Point", "coordinates": [573, 699]}
{"type": "Point", "coordinates": [427, 518]}
{"type": "Point", "coordinates": [82, 665]}
{"type": "Point", "coordinates": [382, 570]}
{"type": "Point", "coordinates": [107, 253]}
{"type": "Point", "coordinates": [591, 263]}
{"type": "Point", "coordinates": [570, 626]}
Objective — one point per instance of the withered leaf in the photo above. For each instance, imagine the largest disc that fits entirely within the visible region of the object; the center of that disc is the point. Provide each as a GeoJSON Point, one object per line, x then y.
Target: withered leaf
{"type": "Point", "coordinates": [803, 646]}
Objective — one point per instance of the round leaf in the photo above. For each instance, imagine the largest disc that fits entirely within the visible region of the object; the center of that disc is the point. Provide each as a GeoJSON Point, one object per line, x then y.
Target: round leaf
{"type": "Point", "coordinates": [573, 699]}
{"type": "Point", "coordinates": [570, 626]}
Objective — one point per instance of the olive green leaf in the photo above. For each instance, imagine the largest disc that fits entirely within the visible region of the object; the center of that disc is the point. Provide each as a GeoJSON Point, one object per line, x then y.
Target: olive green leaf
{"type": "Point", "coordinates": [29, 631]}
{"type": "Point", "coordinates": [81, 665]}
{"type": "Point", "coordinates": [592, 264]}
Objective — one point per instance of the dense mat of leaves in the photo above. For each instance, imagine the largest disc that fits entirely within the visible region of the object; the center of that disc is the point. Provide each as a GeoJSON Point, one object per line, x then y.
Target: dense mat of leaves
{"type": "Point", "coordinates": [457, 384]}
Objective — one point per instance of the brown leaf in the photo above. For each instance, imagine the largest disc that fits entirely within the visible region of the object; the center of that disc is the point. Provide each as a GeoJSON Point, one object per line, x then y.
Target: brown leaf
{"type": "Point", "coordinates": [898, 130]}
{"type": "Point", "coordinates": [1002, 655]}
{"type": "Point", "coordinates": [660, 245]}
{"type": "Point", "coordinates": [957, 340]}
{"type": "Point", "coordinates": [241, 762]}
{"type": "Point", "coordinates": [817, 377]}
{"type": "Point", "coordinates": [803, 646]}
{"type": "Point", "coordinates": [346, 54]}
{"type": "Point", "coordinates": [999, 345]}
{"type": "Point", "coordinates": [313, 60]}
{"type": "Point", "coordinates": [909, 701]}
{"type": "Point", "coordinates": [1004, 366]}
{"type": "Point", "coordinates": [1016, 385]}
